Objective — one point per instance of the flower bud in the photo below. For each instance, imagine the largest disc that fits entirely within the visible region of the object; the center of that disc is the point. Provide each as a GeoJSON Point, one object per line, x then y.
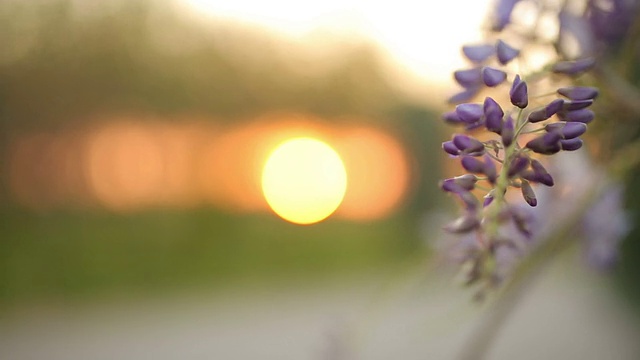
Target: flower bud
{"type": "Point", "coordinates": [583, 116]}
{"type": "Point", "coordinates": [573, 67]}
{"type": "Point", "coordinates": [488, 199]}
{"type": "Point", "coordinates": [519, 94]}
{"type": "Point", "coordinates": [469, 77]}
{"type": "Point", "coordinates": [450, 148]}
{"type": "Point", "coordinates": [467, 181]}
{"type": "Point", "coordinates": [541, 173]}
{"type": "Point", "coordinates": [472, 165]}
{"type": "Point", "coordinates": [468, 145]}
{"type": "Point", "coordinates": [528, 194]}
{"type": "Point", "coordinates": [493, 115]}
{"type": "Point", "coordinates": [576, 105]}
{"type": "Point", "coordinates": [573, 130]}
{"type": "Point", "coordinates": [579, 92]}
{"type": "Point", "coordinates": [502, 14]}
{"type": "Point", "coordinates": [547, 144]}
{"type": "Point", "coordinates": [508, 131]}
{"type": "Point", "coordinates": [571, 144]}
{"type": "Point", "coordinates": [452, 118]}
{"type": "Point", "coordinates": [546, 112]}
{"type": "Point", "coordinates": [490, 169]}
{"type": "Point", "coordinates": [505, 52]}
{"type": "Point", "coordinates": [469, 112]}
{"type": "Point", "coordinates": [477, 53]}
{"type": "Point", "coordinates": [493, 77]}
{"type": "Point", "coordinates": [517, 165]}
{"type": "Point", "coordinates": [464, 95]}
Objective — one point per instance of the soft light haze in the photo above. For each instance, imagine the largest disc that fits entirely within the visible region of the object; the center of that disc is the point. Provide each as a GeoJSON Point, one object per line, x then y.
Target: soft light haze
{"type": "Point", "coordinates": [423, 37]}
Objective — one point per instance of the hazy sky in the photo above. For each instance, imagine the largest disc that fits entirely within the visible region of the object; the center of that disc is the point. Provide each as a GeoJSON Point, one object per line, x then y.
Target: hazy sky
{"type": "Point", "coordinates": [424, 37]}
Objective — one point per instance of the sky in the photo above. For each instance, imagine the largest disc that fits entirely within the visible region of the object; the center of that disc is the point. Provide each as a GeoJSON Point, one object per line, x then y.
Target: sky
{"type": "Point", "coordinates": [424, 38]}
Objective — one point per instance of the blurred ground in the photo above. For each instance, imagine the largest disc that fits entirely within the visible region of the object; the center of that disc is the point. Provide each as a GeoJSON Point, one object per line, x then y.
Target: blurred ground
{"type": "Point", "coordinates": [569, 314]}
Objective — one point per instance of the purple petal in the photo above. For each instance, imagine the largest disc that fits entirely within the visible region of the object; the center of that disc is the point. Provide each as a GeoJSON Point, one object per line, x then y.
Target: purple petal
{"type": "Point", "coordinates": [450, 148]}
{"type": "Point", "coordinates": [493, 115]}
{"type": "Point", "coordinates": [575, 67]}
{"type": "Point", "coordinates": [451, 118]}
{"type": "Point", "coordinates": [493, 77]}
{"type": "Point", "coordinates": [573, 130]}
{"type": "Point", "coordinates": [519, 94]}
{"type": "Point", "coordinates": [579, 92]}
{"type": "Point", "coordinates": [542, 145]}
{"type": "Point", "coordinates": [464, 95]}
{"type": "Point", "coordinates": [541, 173]}
{"type": "Point", "coordinates": [477, 53]}
{"type": "Point", "coordinates": [469, 77]}
{"type": "Point", "coordinates": [466, 181]}
{"type": "Point", "coordinates": [571, 144]}
{"type": "Point", "coordinates": [473, 165]}
{"type": "Point", "coordinates": [528, 194]}
{"type": "Point", "coordinates": [468, 145]}
{"type": "Point", "coordinates": [507, 133]}
{"type": "Point", "coordinates": [582, 116]}
{"type": "Point", "coordinates": [490, 169]}
{"type": "Point", "coordinates": [505, 52]}
{"type": "Point", "coordinates": [576, 105]}
{"type": "Point", "coordinates": [518, 165]}
{"type": "Point", "coordinates": [502, 14]}
{"type": "Point", "coordinates": [470, 112]}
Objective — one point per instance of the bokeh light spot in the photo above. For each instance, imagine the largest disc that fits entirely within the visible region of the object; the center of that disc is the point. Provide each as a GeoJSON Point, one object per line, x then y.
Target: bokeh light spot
{"type": "Point", "coordinates": [304, 180]}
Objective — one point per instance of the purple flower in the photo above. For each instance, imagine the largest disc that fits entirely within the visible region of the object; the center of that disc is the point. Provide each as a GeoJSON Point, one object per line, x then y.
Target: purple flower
{"type": "Point", "coordinates": [575, 67]}
{"type": "Point", "coordinates": [582, 116]}
{"type": "Point", "coordinates": [576, 105]}
{"type": "Point", "coordinates": [451, 117]}
{"type": "Point", "coordinates": [502, 14]}
{"type": "Point", "coordinates": [518, 164]}
{"type": "Point", "coordinates": [493, 115]}
{"type": "Point", "coordinates": [469, 77]}
{"type": "Point", "coordinates": [610, 20]}
{"type": "Point", "coordinates": [528, 194]}
{"type": "Point", "coordinates": [468, 145]}
{"type": "Point", "coordinates": [450, 148]}
{"type": "Point", "coordinates": [541, 174]}
{"type": "Point", "coordinates": [571, 144]}
{"type": "Point", "coordinates": [575, 30]}
{"type": "Point", "coordinates": [518, 93]}
{"type": "Point", "coordinates": [470, 112]}
{"type": "Point", "coordinates": [547, 144]}
{"type": "Point", "coordinates": [579, 92]}
{"type": "Point", "coordinates": [464, 95]}
{"type": "Point", "coordinates": [505, 52]}
{"type": "Point", "coordinates": [546, 112]}
{"type": "Point", "coordinates": [493, 77]}
{"type": "Point", "coordinates": [473, 165]}
{"type": "Point", "coordinates": [507, 132]}
{"type": "Point", "coordinates": [477, 53]}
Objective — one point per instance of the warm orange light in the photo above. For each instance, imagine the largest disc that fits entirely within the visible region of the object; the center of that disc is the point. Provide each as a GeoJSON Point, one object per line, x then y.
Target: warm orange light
{"type": "Point", "coordinates": [304, 180]}
{"type": "Point", "coordinates": [378, 173]}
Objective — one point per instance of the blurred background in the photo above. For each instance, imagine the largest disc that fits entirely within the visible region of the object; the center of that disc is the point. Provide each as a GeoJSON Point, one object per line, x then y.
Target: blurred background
{"type": "Point", "coordinates": [133, 215]}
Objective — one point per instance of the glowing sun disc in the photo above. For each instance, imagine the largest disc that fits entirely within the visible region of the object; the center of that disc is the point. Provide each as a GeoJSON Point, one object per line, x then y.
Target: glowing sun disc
{"type": "Point", "coordinates": [304, 180]}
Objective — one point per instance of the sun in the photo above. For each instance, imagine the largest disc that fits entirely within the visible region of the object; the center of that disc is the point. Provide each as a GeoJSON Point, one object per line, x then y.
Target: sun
{"type": "Point", "coordinates": [304, 180]}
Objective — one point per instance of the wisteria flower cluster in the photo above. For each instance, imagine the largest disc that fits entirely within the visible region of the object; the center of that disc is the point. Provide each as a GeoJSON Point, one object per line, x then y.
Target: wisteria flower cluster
{"type": "Point", "coordinates": [503, 144]}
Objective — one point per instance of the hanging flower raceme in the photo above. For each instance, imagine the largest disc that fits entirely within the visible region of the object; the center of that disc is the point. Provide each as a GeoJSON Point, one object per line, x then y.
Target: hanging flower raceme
{"type": "Point", "coordinates": [520, 133]}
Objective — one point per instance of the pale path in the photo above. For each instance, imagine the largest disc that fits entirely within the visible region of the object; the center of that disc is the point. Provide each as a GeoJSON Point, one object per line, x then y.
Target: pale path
{"type": "Point", "coordinates": [567, 315]}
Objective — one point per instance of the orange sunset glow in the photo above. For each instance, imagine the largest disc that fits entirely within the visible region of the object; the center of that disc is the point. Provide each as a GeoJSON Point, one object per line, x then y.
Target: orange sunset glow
{"type": "Point", "coordinates": [128, 165]}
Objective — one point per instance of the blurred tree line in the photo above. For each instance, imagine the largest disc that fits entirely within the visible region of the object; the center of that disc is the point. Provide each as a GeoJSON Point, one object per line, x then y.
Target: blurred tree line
{"type": "Point", "coordinates": [64, 63]}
